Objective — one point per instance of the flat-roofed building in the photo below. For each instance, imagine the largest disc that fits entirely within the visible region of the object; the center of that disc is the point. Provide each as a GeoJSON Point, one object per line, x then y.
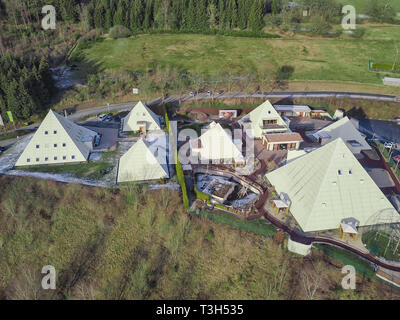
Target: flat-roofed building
{"type": "Point", "coordinates": [282, 141]}
{"type": "Point", "coordinates": [293, 110]}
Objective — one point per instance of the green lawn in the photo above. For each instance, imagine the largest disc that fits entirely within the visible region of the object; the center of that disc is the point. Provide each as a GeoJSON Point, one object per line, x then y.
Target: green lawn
{"type": "Point", "coordinates": [380, 244]}
{"type": "Point", "coordinates": [14, 134]}
{"type": "Point", "coordinates": [341, 59]}
{"type": "Point", "coordinates": [361, 5]}
{"type": "Point", "coordinates": [91, 170]}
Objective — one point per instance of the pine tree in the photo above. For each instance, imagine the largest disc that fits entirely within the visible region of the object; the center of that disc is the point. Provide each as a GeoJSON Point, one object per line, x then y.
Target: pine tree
{"type": "Point", "coordinates": [234, 14]}
{"type": "Point", "coordinates": [275, 7]}
{"type": "Point", "coordinates": [136, 15]}
{"type": "Point", "coordinates": [99, 17]}
{"type": "Point", "coordinates": [256, 15]}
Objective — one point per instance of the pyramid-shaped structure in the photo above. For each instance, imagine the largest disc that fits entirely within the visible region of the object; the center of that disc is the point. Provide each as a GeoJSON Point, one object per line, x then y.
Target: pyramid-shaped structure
{"type": "Point", "coordinates": [328, 185]}
{"type": "Point", "coordinates": [216, 145]}
{"type": "Point", "coordinates": [57, 140]}
{"type": "Point", "coordinates": [255, 120]}
{"type": "Point", "coordinates": [140, 163]}
{"type": "Point", "coordinates": [346, 130]}
{"type": "Point", "coordinates": [141, 116]}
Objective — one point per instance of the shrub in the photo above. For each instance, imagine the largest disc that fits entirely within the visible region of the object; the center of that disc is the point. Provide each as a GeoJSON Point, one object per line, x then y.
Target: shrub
{"type": "Point", "coordinates": [358, 33]}
{"type": "Point", "coordinates": [118, 31]}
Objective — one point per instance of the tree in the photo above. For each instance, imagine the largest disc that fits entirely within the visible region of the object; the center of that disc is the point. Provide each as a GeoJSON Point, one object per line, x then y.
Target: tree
{"type": "Point", "coordinates": [256, 15]}
{"type": "Point", "coordinates": [212, 15]}
{"type": "Point", "coordinates": [119, 31]}
{"type": "Point", "coordinates": [275, 6]}
{"type": "Point", "coordinates": [136, 15]}
{"type": "Point", "coordinates": [99, 17]}
{"type": "Point", "coordinates": [382, 11]}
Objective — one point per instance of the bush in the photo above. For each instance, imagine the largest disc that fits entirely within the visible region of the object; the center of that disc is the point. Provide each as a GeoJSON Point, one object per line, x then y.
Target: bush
{"type": "Point", "coordinates": [118, 31]}
{"type": "Point", "coordinates": [358, 33]}
{"type": "Point", "coordinates": [320, 26]}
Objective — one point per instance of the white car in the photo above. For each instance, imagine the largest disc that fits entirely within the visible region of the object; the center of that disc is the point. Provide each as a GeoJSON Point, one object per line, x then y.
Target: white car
{"type": "Point", "coordinates": [102, 117]}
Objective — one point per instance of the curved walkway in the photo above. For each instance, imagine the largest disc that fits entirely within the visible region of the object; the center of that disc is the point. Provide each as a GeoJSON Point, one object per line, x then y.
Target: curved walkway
{"type": "Point", "coordinates": [294, 234]}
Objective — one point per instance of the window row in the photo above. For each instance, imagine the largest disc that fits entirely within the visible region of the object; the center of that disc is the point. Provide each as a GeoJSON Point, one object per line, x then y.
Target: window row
{"type": "Point", "coordinates": [47, 132]}
{"type": "Point", "coordinates": [47, 159]}
{"type": "Point", "coordinates": [55, 145]}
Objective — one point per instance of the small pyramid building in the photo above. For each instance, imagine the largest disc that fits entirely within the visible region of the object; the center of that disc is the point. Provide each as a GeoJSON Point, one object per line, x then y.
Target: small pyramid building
{"type": "Point", "coordinates": [58, 140]}
{"type": "Point", "coordinates": [141, 164]}
{"type": "Point", "coordinates": [328, 185]}
{"type": "Point", "coordinates": [141, 118]}
{"type": "Point", "coordinates": [263, 120]}
{"type": "Point", "coordinates": [344, 129]}
{"type": "Point", "coordinates": [215, 145]}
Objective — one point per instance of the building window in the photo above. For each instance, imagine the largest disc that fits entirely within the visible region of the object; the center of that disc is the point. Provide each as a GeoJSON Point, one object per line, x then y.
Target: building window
{"type": "Point", "coordinates": [46, 132]}
{"type": "Point", "coordinates": [64, 157]}
{"type": "Point", "coordinates": [55, 145]}
{"type": "Point", "coordinates": [269, 122]}
{"type": "Point", "coordinates": [350, 171]}
{"type": "Point", "coordinates": [28, 160]}
{"type": "Point", "coordinates": [37, 160]}
{"type": "Point", "coordinates": [55, 158]}
{"type": "Point", "coordinates": [37, 146]}
{"type": "Point", "coordinates": [55, 131]}
{"type": "Point", "coordinates": [73, 157]}
{"type": "Point", "coordinates": [339, 172]}
{"type": "Point", "coordinates": [46, 159]}
{"type": "Point", "coordinates": [64, 145]}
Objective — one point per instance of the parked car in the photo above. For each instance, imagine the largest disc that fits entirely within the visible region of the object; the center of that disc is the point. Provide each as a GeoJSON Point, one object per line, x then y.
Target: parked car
{"type": "Point", "coordinates": [97, 140]}
{"type": "Point", "coordinates": [102, 117]}
{"type": "Point", "coordinates": [209, 93]}
{"type": "Point", "coordinates": [192, 94]}
{"type": "Point", "coordinates": [108, 118]}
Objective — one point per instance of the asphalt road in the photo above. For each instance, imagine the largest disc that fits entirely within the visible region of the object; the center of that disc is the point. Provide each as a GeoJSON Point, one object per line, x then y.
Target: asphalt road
{"type": "Point", "coordinates": [226, 95]}
{"type": "Point", "coordinates": [386, 130]}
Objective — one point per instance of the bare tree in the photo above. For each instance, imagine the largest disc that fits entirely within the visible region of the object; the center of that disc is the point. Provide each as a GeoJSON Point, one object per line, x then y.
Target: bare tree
{"type": "Point", "coordinates": [311, 279]}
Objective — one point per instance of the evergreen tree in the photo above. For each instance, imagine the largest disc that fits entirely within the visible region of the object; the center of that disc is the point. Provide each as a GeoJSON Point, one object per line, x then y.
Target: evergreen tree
{"type": "Point", "coordinates": [256, 15]}
{"type": "Point", "coordinates": [99, 17]}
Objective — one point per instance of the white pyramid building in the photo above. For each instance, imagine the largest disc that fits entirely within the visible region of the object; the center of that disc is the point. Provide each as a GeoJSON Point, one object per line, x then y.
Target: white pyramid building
{"type": "Point", "coordinates": [141, 164]}
{"type": "Point", "coordinates": [215, 145]}
{"type": "Point", "coordinates": [328, 185]}
{"type": "Point", "coordinates": [344, 129]}
{"type": "Point", "coordinates": [263, 120]}
{"type": "Point", "coordinates": [141, 118]}
{"type": "Point", "coordinates": [58, 140]}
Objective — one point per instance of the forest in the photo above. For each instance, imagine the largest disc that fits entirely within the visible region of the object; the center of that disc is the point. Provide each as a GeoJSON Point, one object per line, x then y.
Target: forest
{"type": "Point", "coordinates": [27, 51]}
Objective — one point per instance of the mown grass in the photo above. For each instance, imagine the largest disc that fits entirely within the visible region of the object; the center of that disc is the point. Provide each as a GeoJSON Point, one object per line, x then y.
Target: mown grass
{"type": "Point", "coordinates": [91, 170]}
{"type": "Point", "coordinates": [361, 5]}
{"type": "Point", "coordinates": [312, 58]}
{"type": "Point", "coordinates": [132, 243]}
{"type": "Point", "coordinates": [14, 134]}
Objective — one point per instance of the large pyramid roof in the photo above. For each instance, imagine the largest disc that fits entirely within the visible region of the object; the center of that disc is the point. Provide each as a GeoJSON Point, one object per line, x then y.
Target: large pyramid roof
{"type": "Point", "coordinates": [141, 113]}
{"type": "Point", "coordinates": [344, 129]}
{"type": "Point", "coordinates": [254, 119]}
{"type": "Point", "coordinates": [141, 164]}
{"type": "Point", "coordinates": [56, 138]}
{"type": "Point", "coordinates": [328, 185]}
{"type": "Point", "coordinates": [216, 144]}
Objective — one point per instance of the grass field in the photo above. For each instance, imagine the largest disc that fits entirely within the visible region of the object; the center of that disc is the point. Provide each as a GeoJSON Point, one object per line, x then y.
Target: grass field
{"type": "Point", "coordinates": [312, 58]}
{"type": "Point", "coordinates": [137, 244]}
{"type": "Point", "coordinates": [360, 5]}
{"type": "Point", "coordinates": [380, 244]}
